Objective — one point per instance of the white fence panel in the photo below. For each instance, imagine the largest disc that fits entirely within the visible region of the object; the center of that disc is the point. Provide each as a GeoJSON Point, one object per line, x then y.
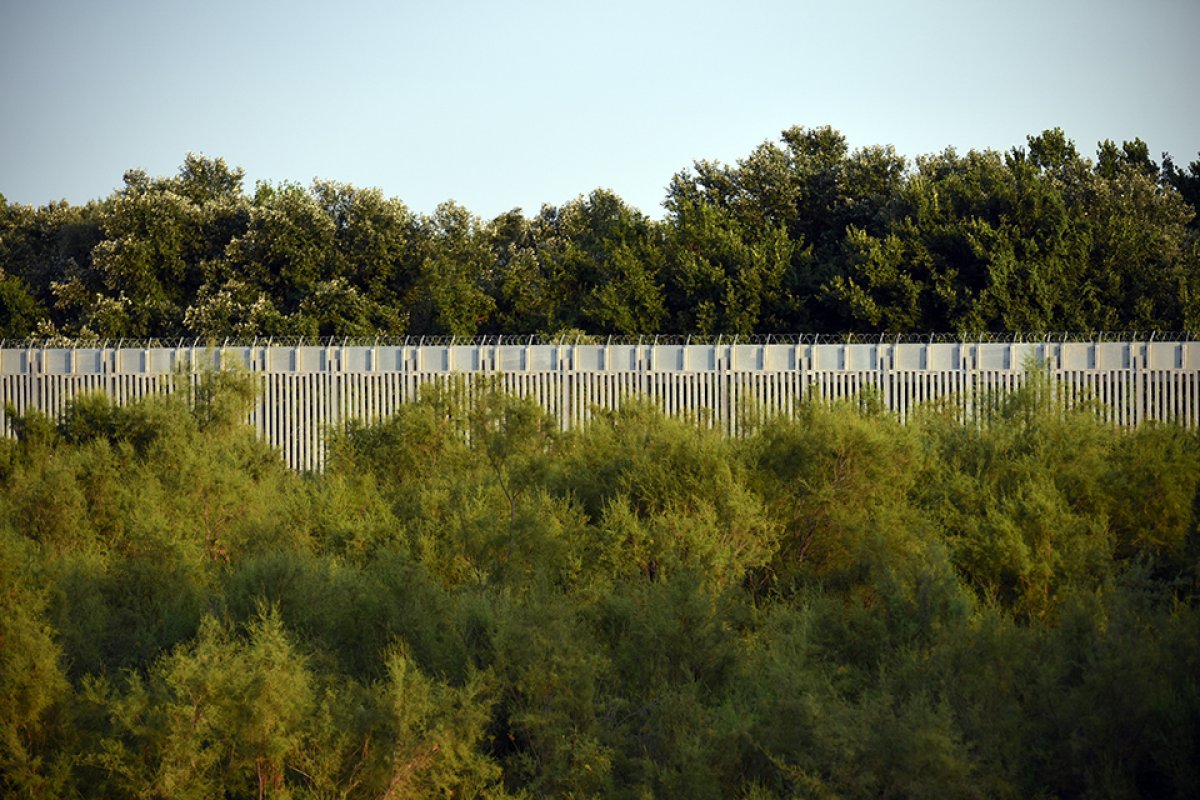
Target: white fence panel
{"type": "Point", "coordinates": [305, 391]}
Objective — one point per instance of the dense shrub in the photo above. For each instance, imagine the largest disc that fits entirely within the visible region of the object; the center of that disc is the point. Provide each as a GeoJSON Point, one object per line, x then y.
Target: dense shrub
{"type": "Point", "coordinates": [469, 602]}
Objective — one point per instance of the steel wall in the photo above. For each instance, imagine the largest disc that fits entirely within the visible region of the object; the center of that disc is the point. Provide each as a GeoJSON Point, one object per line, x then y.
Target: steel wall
{"type": "Point", "coordinates": [306, 390]}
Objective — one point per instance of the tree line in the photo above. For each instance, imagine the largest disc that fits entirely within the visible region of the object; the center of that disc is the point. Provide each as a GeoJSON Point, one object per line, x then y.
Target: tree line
{"type": "Point", "coordinates": [801, 235]}
{"type": "Point", "coordinates": [469, 602]}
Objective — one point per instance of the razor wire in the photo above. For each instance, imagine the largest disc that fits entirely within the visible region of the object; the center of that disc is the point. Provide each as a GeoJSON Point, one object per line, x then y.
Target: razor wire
{"type": "Point", "coordinates": [581, 339]}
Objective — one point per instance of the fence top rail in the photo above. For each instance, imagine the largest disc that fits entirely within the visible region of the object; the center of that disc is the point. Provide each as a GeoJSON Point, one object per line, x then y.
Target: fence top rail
{"type": "Point", "coordinates": [985, 337]}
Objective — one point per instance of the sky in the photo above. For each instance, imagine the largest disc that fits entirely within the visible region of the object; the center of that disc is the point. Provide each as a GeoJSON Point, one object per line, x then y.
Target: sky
{"type": "Point", "coordinates": [502, 105]}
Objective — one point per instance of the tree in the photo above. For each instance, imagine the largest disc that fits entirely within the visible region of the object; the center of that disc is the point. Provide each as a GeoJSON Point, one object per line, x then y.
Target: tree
{"type": "Point", "coordinates": [34, 692]}
{"type": "Point", "coordinates": [592, 264]}
{"type": "Point", "coordinates": [1142, 263]}
{"type": "Point", "coordinates": [812, 188]}
{"type": "Point", "coordinates": [377, 242]}
{"type": "Point", "coordinates": [223, 715]}
{"type": "Point", "coordinates": [527, 292]}
{"type": "Point", "coordinates": [1035, 239]}
{"type": "Point", "coordinates": [20, 312]}
{"type": "Point", "coordinates": [450, 295]}
{"type": "Point", "coordinates": [38, 247]}
{"type": "Point", "coordinates": [159, 238]}
{"type": "Point", "coordinates": [1187, 183]}
{"type": "Point", "coordinates": [611, 253]}
{"type": "Point", "coordinates": [725, 277]}
{"type": "Point", "coordinates": [287, 248]}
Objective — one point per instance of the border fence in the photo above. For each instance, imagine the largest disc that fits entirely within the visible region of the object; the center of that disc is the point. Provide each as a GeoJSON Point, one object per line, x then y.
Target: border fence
{"type": "Point", "coordinates": [307, 389]}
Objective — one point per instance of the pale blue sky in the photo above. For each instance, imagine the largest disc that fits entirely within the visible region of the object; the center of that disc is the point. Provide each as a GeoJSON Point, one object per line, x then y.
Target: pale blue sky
{"type": "Point", "coordinates": [503, 105]}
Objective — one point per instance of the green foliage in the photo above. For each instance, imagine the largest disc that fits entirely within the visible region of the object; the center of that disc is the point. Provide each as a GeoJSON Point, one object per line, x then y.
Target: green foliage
{"type": "Point", "coordinates": [470, 602]}
{"type": "Point", "coordinates": [222, 715]}
{"type": "Point", "coordinates": [592, 264]}
{"type": "Point", "coordinates": [1021, 500]}
{"type": "Point", "coordinates": [803, 234]}
{"type": "Point", "coordinates": [34, 693]}
{"type": "Point", "coordinates": [20, 311]}
{"type": "Point", "coordinates": [725, 276]}
{"type": "Point", "coordinates": [1151, 489]}
{"type": "Point", "coordinates": [449, 297]}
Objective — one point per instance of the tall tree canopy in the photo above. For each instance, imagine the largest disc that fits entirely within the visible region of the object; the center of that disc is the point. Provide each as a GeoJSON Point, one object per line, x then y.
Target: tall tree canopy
{"type": "Point", "coordinates": [803, 234]}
